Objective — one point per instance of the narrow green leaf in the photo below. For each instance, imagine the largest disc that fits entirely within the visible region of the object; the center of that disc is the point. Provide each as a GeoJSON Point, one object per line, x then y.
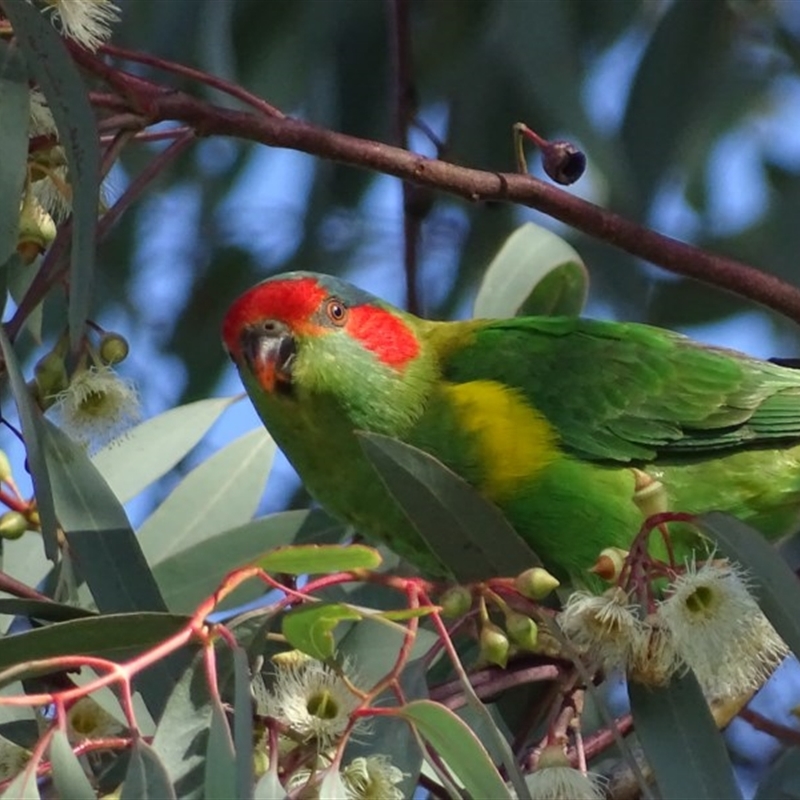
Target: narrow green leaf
{"type": "Point", "coordinates": [675, 726]}
{"type": "Point", "coordinates": [319, 558]}
{"type": "Point", "coordinates": [14, 103]}
{"type": "Point", "coordinates": [147, 777]}
{"type": "Point", "coordinates": [310, 627]}
{"type": "Point", "coordinates": [31, 421]}
{"type": "Point", "coordinates": [97, 529]}
{"type": "Point", "coordinates": [458, 746]}
{"type": "Point", "coordinates": [782, 781]}
{"type": "Point", "coordinates": [220, 766]}
{"type": "Point", "coordinates": [181, 738]}
{"type": "Point", "coordinates": [68, 99]}
{"type": "Point", "coordinates": [41, 609]}
{"type": "Point", "coordinates": [774, 585]}
{"type": "Point", "coordinates": [469, 535]}
{"type": "Point", "coordinates": [68, 775]}
{"type": "Point", "coordinates": [535, 272]}
{"type": "Point", "coordinates": [147, 452]}
{"type": "Point", "coordinates": [193, 573]}
{"type": "Point", "coordinates": [223, 491]}
{"type": "Point", "coordinates": [242, 724]}
{"type": "Point", "coordinates": [112, 636]}
{"type": "Point", "coordinates": [24, 787]}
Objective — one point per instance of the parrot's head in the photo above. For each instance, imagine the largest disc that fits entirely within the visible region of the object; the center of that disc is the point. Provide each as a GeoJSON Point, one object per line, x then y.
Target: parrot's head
{"type": "Point", "coordinates": [301, 338]}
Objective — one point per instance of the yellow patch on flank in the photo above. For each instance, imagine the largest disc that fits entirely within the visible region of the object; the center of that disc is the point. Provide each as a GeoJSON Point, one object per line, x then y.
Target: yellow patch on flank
{"type": "Point", "coordinates": [514, 440]}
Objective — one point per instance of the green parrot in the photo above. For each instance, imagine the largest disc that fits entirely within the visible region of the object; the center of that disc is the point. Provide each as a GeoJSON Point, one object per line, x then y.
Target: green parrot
{"type": "Point", "coordinates": [565, 424]}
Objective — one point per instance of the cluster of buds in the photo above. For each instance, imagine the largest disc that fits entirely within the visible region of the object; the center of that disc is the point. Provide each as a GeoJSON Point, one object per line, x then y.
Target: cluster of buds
{"type": "Point", "coordinates": [518, 631]}
{"type": "Point", "coordinates": [313, 703]}
{"type": "Point", "coordinates": [47, 194]}
{"type": "Point", "coordinates": [90, 400]}
{"type": "Point", "coordinates": [22, 514]}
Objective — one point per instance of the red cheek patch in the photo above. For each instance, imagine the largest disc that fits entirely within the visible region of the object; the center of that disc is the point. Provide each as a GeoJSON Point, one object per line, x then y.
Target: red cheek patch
{"type": "Point", "coordinates": [384, 334]}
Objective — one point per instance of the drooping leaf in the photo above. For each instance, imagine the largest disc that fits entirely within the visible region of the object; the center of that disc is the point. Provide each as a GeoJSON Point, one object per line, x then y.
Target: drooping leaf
{"type": "Point", "coordinates": [458, 747]}
{"type": "Point", "coordinates": [242, 723]}
{"type": "Point", "coordinates": [782, 781]}
{"type": "Point", "coordinates": [181, 738]}
{"type": "Point", "coordinates": [220, 762]}
{"type": "Point", "coordinates": [97, 529]}
{"type": "Point", "coordinates": [223, 491]}
{"type": "Point", "coordinates": [147, 777]}
{"type": "Point", "coordinates": [319, 558]}
{"type": "Point", "coordinates": [68, 776]}
{"type": "Point", "coordinates": [191, 574]}
{"type": "Point", "coordinates": [468, 534]}
{"type": "Point", "coordinates": [310, 627]}
{"type": "Point", "coordinates": [41, 609]}
{"type": "Point", "coordinates": [32, 430]}
{"type": "Point", "coordinates": [775, 585]}
{"type": "Point", "coordinates": [14, 103]}
{"type": "Point", "coordinates": [535, 273]}
{"type": "Point", "coordinates": [111, 636]}
{"type": "Point", "coordinates": [147, 452]}
{"type": "Point", "coordinates": [675, 726]}
{"type": "Point", "coordinates": [68, 100]}
{"type": "Point", "coordinates": [24, 787]}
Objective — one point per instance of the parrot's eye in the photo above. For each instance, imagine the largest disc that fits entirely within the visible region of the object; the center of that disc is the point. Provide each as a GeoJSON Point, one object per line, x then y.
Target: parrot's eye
{"type": "Point", "coordinates": [336, 312]}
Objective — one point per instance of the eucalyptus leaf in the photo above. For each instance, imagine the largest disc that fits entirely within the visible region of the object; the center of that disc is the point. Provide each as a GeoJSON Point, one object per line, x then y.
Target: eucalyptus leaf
{"type": "Point", "coordinates": [147, 777]}
{"type": "Point", "coordinates": [468, 534]}
{"type": "Point", "coordinates": [14, 109]}
{"type": "Point", "coordinates": [24, 787]}
{"type": "Point", "coordinates": [243, 724]}
{"type": "Point", "coordinates": [190, 575]}
{"type": "Point", "coordinates": [145, 453]}
{"type": "Point", "coordinates": [220, 762]}
{"type": "Point", "coordinates": [97, 529]}
{"type": "Point", "coordinates": [181, 738]}
{"type": "Point", "coordinates": [223, 491]}
{"type": "Point", "coordinates": [32, 431]}
{"type": "Point", "coordinates": [68, 100]}
{"type": "Point", "coordinates": [310, 627]}
{"type": "Point", "coordinates": [111, 636]}
{"type": "Point", "coordinates": [774, 585]}
{"type": "Point", "coordinates": [319, 558]}
{"type": "Point", "coordinates": [782, 781]}
{"type": "Point", "coordinates": [675, 726]}
{"type": "Point", "coordinates": [68, 776]}
{"type": "Point", "coordinates": [458, 746]}
{"type": "Point", "coordinates": [535, 273]}
{"type": "Point", "coordinates": [41, 609]}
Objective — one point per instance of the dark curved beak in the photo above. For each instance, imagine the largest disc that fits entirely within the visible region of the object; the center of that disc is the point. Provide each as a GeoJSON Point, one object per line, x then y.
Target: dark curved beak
{"type": "Point", "coordinates": [269, 351]}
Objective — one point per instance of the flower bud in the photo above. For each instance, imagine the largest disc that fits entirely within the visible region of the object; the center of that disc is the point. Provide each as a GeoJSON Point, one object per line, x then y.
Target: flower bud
{"type": "Point", "coordinates": [113, 348]}
{"type": "Point", "coordinates": [36, 229]}
{"type": "Point", "coordinates": [535, 583]}
{"type": "Point", "coordinates": [12, 525]}
{"type": "Point", "coordinates": [522, 630]}
{"type": "Point", "coordinates": [456, 602]}
{"type": "Point", "coordinates": [5, 467]}
{"type": "Point", "coordinates": [609, 563]}
{"type": "Point", "coordinates": [494, 644]}
{"type": "Point", "coordinates": [649, 494]}
{"type": "Point", "coordinates": [50, 374]}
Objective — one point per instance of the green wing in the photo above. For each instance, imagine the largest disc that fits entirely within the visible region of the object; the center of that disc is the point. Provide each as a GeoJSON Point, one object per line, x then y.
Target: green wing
{"type": "Point", "coordinates": [623, 391]}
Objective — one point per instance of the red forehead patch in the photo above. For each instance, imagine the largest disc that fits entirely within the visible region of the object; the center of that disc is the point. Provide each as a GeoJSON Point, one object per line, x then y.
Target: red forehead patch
{"type": "Point", "coordinates": [289, 301]}
{"type": "Point", "coordinates": [384, 334]}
